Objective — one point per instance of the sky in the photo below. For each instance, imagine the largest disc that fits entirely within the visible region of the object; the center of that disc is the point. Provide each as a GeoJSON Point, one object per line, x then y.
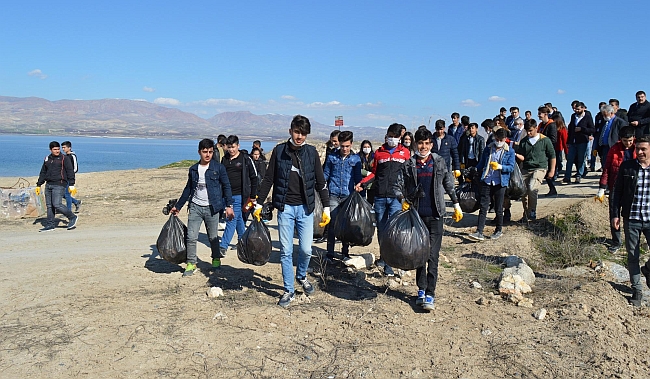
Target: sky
{"type": "Point", "coordinates": [372, 62]}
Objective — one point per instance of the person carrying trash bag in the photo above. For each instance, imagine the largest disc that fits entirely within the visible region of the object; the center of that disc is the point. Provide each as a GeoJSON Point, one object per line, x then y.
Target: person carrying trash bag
{"type": "Point", "coordinates": [206, 189]}
{"type": "Point", "coordinates": [255, 245]}
{"type": "Point", "coordinates": [428, 178]}
{"type": "Point", "coordinates": [342, 171]}
{"type": "Point", "coordinates": [296, 175]}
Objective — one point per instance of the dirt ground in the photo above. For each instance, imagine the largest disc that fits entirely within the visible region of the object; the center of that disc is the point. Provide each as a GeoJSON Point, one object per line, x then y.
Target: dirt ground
{"type": "Point", "coordinates": [97, 302]}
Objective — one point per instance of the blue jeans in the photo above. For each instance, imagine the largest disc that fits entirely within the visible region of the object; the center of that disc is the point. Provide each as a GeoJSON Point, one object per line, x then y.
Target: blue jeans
{"type": "Point", "coordinates": [236, 223]}
{"type": "Point", "coordinates": [53, 201]}
{"type": "Point", "coordinates": [197, 215]}
{"type": "Point", "coordinates": [384, 208]}
{"type": "Point", "coordinates": [69, 200]}
{"type": "Point", "coordinates": [295, 216]}
{"type": "Point", "coordinates": [633, 230]}
{"type": "Point", "coordinates": [331, 238]}
{"type": "Point", "coordinates": [589, 155]}
{"type": "Point", "coordinates": [577, 156]}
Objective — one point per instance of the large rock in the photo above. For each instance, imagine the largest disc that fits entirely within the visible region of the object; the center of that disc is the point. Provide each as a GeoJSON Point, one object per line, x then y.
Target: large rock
{"type": "Point", "coordinates": [516, 280]}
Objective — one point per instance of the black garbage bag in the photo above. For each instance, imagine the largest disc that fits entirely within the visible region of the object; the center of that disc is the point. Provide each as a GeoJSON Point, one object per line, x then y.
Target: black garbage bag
{"type": "Point", "coordinates": [405, 242]}
{"type": "Point", "coordinates": [171, 241]}
{"type": "Point", "coordinates": [468, 197]}
{"type": "Point", "coordinates": [319, 231]}
{"type": "Point", "coordinates": [516, 185]}
{"type": "Point", "coordinates": [355, 221]}
{"type": "Point", "coordinates": [255, 245]}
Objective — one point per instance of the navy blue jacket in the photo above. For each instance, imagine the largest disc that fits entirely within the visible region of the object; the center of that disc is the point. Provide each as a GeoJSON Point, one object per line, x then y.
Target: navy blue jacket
{"type": "Point", "coordinates": [460, 130]}
{"type": "Point", "coordinates": [587, 128]}
{"type": "Point", "coordinates": [448, 150]}
{"type": "Point", "coordinates": [217, 183]}
{"type": "Point", "coordinates": [342, 174]}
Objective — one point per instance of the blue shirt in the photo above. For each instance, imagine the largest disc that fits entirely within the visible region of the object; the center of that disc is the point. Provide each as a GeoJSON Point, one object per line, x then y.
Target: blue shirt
{"type": "Point", "coordinates": [605, 136]}
{"type": "Point", "coordinates": [494, 176]}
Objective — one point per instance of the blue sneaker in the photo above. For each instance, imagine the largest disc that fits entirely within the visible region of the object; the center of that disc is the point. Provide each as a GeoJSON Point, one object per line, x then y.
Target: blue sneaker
{"type": "Point", "coordinates": [421, 297]}
{"type": "Point", "coordinates": [286, 298]}
{"type": "Point", "coordinates": [428, 303]}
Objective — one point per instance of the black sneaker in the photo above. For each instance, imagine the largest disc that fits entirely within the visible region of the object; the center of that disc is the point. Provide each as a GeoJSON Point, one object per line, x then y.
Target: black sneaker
{"type": "Point", "coordinates": [614, 250]}
{"type": "Point", "coordinates": [552, 192]}
{"type": "Point", "coordinates": [388, 271]}
{"type": "Point", "coordinates": [47, 229]}
{"type": "Point", "coordinates": [306, 286]}
{"type": "Point", "coordinates": [496, 235]}
{"type": "Point", "coordinates": [577, 181]}
{"type": "Point", "coordinates": [286, 298]}
{"type": "Point", "coordinates": [646, 272]}
{"type": "Point", "coordinates": [477, 237]}
{"type": "Point", "coordinates": [77, 206]}
{"type": "Point", "coordinates": [73, 222]}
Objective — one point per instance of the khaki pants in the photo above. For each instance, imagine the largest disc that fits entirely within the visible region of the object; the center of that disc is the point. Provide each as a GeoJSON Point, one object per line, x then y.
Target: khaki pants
{"type": "Point", "coordinates": [533, 180]}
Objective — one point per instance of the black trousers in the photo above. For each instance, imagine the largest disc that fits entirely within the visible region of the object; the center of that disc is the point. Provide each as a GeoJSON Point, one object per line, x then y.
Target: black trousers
{"type": "Point", "coordinates": [496, 192]}
{"type": "Point", "coordinates": [427, 275]}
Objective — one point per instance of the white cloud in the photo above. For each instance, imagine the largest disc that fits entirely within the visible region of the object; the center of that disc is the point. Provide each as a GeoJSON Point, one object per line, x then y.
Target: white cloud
{"type": "Point", "coordinates": [469, 103]}
{"type": "Point", "coordinates": [225, 103]}
{"type": "Point", "coordinates": [380, 117]}
{"type": "Point", "coordinates": [166, 101]}
{"type": "Point", "coordinates": [139, 100]}
{"type": "Point", "coordinates": [496, 98]}
{"type": "Point", "coordinates": [288, 97]}
{"type": "Point", "coordinates": [330, 104]}
{"type": "Point", "coordinates": [561, 92]}
{"type": "Point", "coordinates": [37, 74]}
{"type": "Point", "coordinates": [370, 105]}
{"type": "Point", "coordinates": [148, 89]}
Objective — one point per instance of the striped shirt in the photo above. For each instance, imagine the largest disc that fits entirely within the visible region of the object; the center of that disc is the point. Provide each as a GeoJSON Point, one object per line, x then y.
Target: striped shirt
{"type": "Point", "coordinates": [640, 209]}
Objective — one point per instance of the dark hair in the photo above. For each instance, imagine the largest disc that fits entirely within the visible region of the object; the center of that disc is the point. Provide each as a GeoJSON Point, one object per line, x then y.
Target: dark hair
{"type": "Point", "coordinates": [440, 124]}
{"type": "Point", "coordinates": [559, 122]}
{"type": "Point", "coordinates": [221, 139]}
{"type": "Point", "coordinates": [614, 102]}
{"type": "Point", "coordinates": [600, 105]}
{"type": "Point", "coordinates": [253, 150]}
{"type": "Point", "coordinates": [488, 124]}
{"type": "Point", "coordinates": [300, 124]}
{"type": "Point", "coordinates": [422, 135]}
{"type": "Point", "coordinates": [464, 120]}
{"type": "Point", "coordinates": [395, 129]}
{"type": "Point", "coordinates": [54, 144]}
{"type": "Point", "coordinates": [514, 109]}
{"type": "Point", "coordinates": [639, 93]}
{"type": "Point", "coordinates": [366, 142]}
{"type": "Point", "coordinates": [206, 143]}
{"type": "Point", "coordinates": [422, 127]}
{"type": "Point", "coordinates": [334, 133]}
{"type": "Point", "coordinates": [410, 135]}
{"type": "Point", "coordinates": [644, 138]}
{"type": "Point", "coordinates": [232, 140]}
{"type": "Point", "coordinates": [455, 115]}
{"type": "Point", "coordinates": [472, 124]}
{"type": "Point", "coordinates": [503, 109]}
{"type": "Point", "coordinates": [257, 142]}
{"type": "Point", "coordinates": [345, 136]}
{"type": "Point", "coordinates": [500, 133]}
{"type": "Point", "coordinates": [626, 132]}
{"type": "Point", "coordinates": [66, 143]}
{"type": "Point", "coordinates": [544, 109]}
{"type": "Point", "coordinates": [530, 124]}
{"type": "Point", "coordinates": [531, 113]}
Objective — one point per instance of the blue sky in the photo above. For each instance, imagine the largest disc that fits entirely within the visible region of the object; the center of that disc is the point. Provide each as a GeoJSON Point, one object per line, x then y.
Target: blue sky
{"type": "Point", "coordinates": [373, 62]}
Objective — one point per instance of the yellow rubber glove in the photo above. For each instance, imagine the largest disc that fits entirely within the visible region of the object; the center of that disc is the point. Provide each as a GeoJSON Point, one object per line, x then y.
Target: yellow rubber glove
{"type": "Point", "coordinates": [405, 206]}
{"type": "Point", "coordinates": [600, 196]}
{"type": "Point", "coordinates": [458, 213]}
{"type": "Point", "coordinates": [73, 191]}
{"type": "Point", "coordinates": [495, 166]}
{"type": "Point", "coordinates": [456, 173]}
{"type": "Point", "coordinates": [595, 153]}
{"type": "Point", "coordinates": [326, 217]}
{"type": "Point", "coordinates": [462, 166]}
{"type": "Point", "coordinates": [258, 212]}
{"type": "Point", "coordinates": [37, 190]}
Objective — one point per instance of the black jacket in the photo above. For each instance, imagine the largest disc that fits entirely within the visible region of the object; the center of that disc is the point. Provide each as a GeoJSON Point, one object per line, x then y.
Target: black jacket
{"type": "Point", "coordinates": [249, 179]}
{"type": "Point", "coordinates": [586, 125]}
{"type": "Point", "coordinates": [441, 182]}
{"type": "Point", "coordinates": [279, 170]}
{"type": "Point", "coordinates": [57, 170]}
{"type": "Point", "coordinates": [617, 125]}
{"type": "Point", "coordinates": [639, 112]}
{"type": "Point", "coordinates": [624, 189]}
{"type": "Point", "coordinates": [463, 148]}
{"type": "Point", "coordinates": [549, 130]}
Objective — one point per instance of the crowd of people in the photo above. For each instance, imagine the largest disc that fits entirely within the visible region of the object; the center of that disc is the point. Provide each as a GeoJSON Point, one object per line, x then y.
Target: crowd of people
{"type": "Point", "coordinates": [228, 183]}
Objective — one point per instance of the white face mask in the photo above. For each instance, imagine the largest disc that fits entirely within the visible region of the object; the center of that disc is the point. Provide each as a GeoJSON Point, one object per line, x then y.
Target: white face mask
{"type": "Point", "coordinates": [407, 144]}
{"type": "Point", "coordinates": [295, 144]}
{"type": "Point", "coordinates": [422, 155]}
{"type": "Point", "coordinates": [500, 144]}
{"type": "Point", "coordinates": [367, 150]}
{"type": "Point", "coordinates": [392, 142]}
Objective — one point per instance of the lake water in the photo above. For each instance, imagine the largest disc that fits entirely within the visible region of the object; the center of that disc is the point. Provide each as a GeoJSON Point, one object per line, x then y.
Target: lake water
{"type": "Point", "coordinates": [23, 155]}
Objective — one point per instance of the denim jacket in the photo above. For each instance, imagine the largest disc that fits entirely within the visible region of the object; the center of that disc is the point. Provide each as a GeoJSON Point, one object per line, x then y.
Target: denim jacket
{"type": "Point", "coordinates": [342, 173]}
{"type": "Point", "coordinates": [217, 183]}
{"type": "Point", "coordinates": [507, 162]}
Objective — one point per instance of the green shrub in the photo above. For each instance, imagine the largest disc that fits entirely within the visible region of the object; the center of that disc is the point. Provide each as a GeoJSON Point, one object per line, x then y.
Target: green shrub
{"type": "Point", "coordinates": [180, 164]}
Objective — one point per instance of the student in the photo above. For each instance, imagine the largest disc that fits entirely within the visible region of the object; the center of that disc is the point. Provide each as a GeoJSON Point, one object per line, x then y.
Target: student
{"type": "Point", "coordinates": [456, 129]}
{"type": "Point", "coordinates": [446, 146]}
{"type": "Point", "coordinates": [630, 202]}
{"type": "Point", "coordinates": [342, 172]}
{"type": "Point", "coordinates": [471, 147]}
{"type": "Point", "coordinates": [548, 128]}
{"type": "Point", "coordinates": [257, 144]}
{"type": "Point", "coordinates": [57, 173]}
{"type": "Point", "coordinates": [243, 186]}
{"type": "Point", "coordinates": [538, 156]}
{"type": "Point", "coordinates": [622, 151]}
{"type": "Point", "coordinates": [333, 142]}
{"type": "Point", "coordinates": [69, 199]}
{"type": "Point", "coordinates": [407, 142]}
{"type": "Point", "coordinates": [387, 168]}
{"type": "Point", "coordinates": [206, 189]}
{"type": "Point", "coordinates": [296, 174]}
{"type": "Point", "coordinates": [561, 145]}
{"type": "Point", "coordinates": [429, 170]}
{"type": "Point", "coordinates": [367, 155]}
{"type": "Point", "coordinates": [260, 164]}
{"type": "Point", "coordinates": [579, 130]}
{"type": "Point", "coordinates": [497, 162]}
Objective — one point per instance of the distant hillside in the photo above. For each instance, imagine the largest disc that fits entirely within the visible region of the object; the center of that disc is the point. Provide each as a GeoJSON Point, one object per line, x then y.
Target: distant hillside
{"type": "Point", "coordinates": [118, 117]}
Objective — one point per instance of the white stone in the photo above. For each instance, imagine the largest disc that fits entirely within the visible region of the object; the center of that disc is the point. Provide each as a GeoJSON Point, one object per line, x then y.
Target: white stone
{"type": "Point", "coordinates": [540, 314]}
{"type": "Point", "coordinates": [357, 262]}
{"type": "Point", "coordinates": [215, 292]}
{"type": "Point", "coordinates": [477, 285]}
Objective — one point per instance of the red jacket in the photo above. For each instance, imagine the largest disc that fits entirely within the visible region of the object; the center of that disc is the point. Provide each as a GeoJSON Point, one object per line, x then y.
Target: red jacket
{"type": "Point", "coordinates": [387, 171]}
{"type": "Point", "coordinates": [561, 145]}
{"type": "Point", "coordinates": [615, 157]}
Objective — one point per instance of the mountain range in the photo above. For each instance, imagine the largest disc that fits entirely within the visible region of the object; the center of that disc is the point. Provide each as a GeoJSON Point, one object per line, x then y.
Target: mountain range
{"type": "Point", "coordinates": [134, 118]}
